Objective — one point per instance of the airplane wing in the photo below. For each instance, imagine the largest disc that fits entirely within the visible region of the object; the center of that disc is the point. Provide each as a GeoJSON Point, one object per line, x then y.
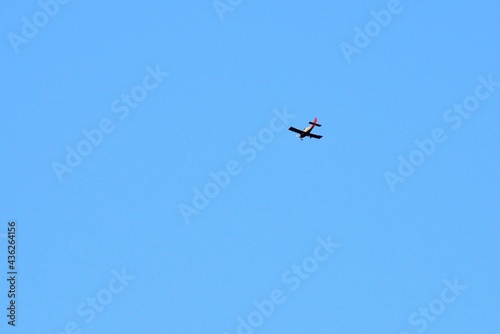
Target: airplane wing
{"type": "Point", "coordinates": [314, 136]}
{"type": "Point", "coordinates": [296, 130]}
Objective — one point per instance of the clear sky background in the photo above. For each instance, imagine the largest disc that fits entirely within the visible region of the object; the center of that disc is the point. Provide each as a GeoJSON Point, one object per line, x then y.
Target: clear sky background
{"type": "Point", "coordinates": [118, 212]}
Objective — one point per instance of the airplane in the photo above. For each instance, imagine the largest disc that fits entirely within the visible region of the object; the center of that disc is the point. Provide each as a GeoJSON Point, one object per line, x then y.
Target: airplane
{"type": "Point", "coordinates": [307, 131]}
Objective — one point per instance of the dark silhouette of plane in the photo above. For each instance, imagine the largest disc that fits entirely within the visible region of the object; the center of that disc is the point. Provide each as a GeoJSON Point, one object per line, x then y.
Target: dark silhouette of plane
{"type": "Point", "coordinates": [307, 131]}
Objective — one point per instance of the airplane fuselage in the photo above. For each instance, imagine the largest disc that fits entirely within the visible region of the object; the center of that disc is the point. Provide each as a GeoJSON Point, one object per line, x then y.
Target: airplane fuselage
{"type": "Point", "coordinates": [306, 131]}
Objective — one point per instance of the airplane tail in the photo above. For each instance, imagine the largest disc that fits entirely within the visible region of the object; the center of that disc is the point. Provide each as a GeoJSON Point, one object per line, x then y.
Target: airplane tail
{"type": "Point", "coordinates": [316, 124]}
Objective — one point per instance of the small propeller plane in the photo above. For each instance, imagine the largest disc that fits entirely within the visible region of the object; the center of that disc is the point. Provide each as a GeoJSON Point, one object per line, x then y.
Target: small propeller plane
{"type": "Point", "coordinates": [307, 131]}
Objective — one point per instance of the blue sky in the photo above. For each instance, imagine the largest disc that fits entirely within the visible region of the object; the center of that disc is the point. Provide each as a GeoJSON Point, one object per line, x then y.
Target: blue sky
{"type": "Point", "coordinates": [156, 189]}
